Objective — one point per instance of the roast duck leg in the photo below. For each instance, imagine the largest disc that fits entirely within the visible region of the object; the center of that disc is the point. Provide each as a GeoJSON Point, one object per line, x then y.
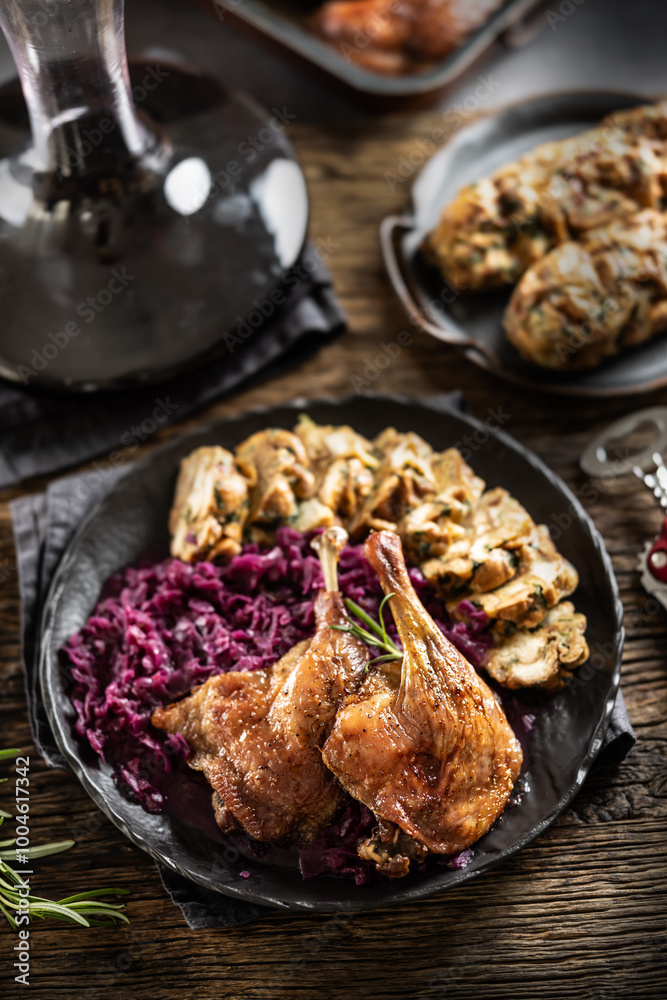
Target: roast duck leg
{"type": "Point", "coordinates": [257, 735]}
{"type": "Point", "coordinates": [425, 745]}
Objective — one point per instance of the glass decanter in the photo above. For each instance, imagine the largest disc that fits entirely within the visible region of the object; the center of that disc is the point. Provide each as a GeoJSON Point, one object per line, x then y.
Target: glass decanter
{"type": "Point", "coordinates": [144, 213]}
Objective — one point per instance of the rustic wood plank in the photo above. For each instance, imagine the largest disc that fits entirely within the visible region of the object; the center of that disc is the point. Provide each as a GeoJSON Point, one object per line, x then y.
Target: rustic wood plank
{"type": "Point", "coordinates": [581, 912]}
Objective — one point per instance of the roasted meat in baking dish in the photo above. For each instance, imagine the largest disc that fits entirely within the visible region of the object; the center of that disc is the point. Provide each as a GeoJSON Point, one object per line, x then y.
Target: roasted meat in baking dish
{"type": "Point", "coordinates": [399, 36]}
{"type": "Point", "coordinates": [586, 301]}
{"type": "Point", "coordinates": [427, 747]}
{"type": "Point", "coordinates": [257, 735]}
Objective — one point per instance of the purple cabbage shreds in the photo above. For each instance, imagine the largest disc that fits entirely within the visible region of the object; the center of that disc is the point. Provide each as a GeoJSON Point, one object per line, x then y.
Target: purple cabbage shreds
{"type": "Point", "coordinates": [521, 709]}
{"type": "Point", "coordinates": [461, 860]}
{"type": "Point", "coordinates": [469, 636]}
{"type": "Point", "coordinates": [476, 617]}
{"type": "Point", "coordinates": [528, 721]}
{"type": "Point", "coordinates": [160, 630]}
{"type": "Point", "coordinates": [334, 852]}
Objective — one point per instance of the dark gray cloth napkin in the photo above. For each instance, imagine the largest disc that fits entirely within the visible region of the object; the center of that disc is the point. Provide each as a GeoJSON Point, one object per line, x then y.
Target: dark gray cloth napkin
{"type": "Point", "coordinates": [44, 432]}
{"type": "Point", "coordinates": [43, 525]}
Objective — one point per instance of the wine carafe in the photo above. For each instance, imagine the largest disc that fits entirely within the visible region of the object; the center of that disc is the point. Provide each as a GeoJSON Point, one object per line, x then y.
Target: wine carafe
{"type": "Point", "coordinates": [144, 213]}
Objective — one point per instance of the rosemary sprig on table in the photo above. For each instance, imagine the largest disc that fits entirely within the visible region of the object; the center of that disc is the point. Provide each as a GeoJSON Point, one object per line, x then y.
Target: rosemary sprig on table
{"type": "Point", "coordinates": [83, 908]}
{"type": "Point", "coordinates": [4, 755]}
{"type": "Point", "coordinates": [375, 634]}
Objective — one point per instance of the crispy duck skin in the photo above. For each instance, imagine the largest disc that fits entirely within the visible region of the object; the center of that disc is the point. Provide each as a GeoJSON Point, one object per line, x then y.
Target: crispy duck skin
{"type": "Point", "coordinates": [399, 36]}
{"type": "Point", "coordinates": [257, 735]}
{"type": "Point", "coordinates": [586, 301]}
{"type": "Point", "coordinates": [498, 227]}
{"type": "Point", "coordinates": [429, 750]}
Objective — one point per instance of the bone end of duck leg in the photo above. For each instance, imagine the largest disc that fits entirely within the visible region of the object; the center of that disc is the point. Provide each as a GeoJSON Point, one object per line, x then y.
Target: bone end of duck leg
{"type": "Point", "coordinates": [329, 546]}
{"type": "Point", "coordinates": [384, 552]}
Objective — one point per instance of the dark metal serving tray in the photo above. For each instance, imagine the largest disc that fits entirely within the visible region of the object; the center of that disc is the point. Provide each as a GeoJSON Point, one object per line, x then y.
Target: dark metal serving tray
{"type": "Point", "coordinates": [285, 23]}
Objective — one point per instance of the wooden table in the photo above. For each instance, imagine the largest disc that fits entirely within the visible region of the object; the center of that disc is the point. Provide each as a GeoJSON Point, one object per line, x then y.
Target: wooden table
{"type": "Point", "coordinates": [580, 913]}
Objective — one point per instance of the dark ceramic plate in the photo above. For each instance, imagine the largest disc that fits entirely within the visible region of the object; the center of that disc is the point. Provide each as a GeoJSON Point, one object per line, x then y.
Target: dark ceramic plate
{"type": "Point", "coordinates": [474, 323]}
{"type": "Point", "coordinates": [131, 521]}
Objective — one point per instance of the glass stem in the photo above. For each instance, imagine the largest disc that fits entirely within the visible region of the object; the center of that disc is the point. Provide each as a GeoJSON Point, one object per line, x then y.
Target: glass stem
{"type": "Point", "coordinates": [71, 59]}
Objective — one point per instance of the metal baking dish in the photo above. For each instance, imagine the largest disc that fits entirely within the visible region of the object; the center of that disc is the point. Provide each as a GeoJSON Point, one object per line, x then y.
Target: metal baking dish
{"type": "Point", "coordinates": [286, 25]}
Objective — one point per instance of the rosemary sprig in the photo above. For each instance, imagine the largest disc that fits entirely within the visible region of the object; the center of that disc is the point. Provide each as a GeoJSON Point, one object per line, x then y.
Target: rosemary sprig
{"type": "Point", "coordinates": [85, 909]}
{"type": "Point", "coordinates": [41, 851]}
{"type": "Point", "coordinates": [376, 632]}
{"type": "Point", "coordinates": [6, 755]}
